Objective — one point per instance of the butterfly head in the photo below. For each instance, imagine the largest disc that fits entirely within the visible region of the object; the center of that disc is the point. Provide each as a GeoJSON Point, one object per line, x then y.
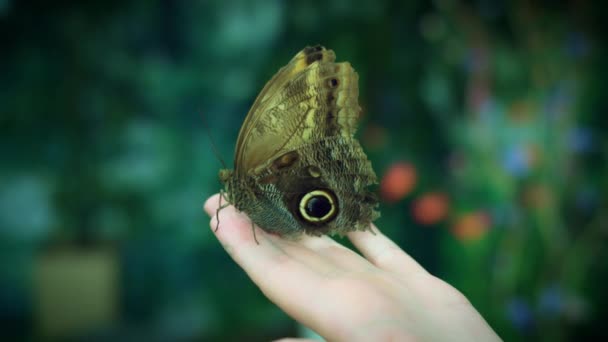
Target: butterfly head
{"type": "Point", "coordinates": [225, 175]}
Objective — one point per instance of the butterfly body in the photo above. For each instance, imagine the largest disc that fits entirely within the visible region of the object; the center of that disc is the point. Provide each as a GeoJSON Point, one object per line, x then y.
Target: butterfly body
{"type": "Point", "coordinates": [298, 167]}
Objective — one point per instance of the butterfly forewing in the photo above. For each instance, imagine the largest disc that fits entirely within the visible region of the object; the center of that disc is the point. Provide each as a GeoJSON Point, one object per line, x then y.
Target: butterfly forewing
{"type": "Point", "coordinates": [268, 110]}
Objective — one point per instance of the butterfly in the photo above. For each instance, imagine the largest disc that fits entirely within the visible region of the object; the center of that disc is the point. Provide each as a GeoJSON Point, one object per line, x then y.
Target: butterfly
{"type": "Point", "coordinates": [298, 169]}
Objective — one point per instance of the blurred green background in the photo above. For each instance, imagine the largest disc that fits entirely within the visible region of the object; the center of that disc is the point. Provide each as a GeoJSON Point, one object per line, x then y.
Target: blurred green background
{"type": "Point", "coordinates": [484, 119]}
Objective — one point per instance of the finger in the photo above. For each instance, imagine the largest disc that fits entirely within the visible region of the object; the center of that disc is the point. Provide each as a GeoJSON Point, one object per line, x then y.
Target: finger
{"type": "Point", "coordinates": [236, 228]}
{"type": "Point", "coordinates": [236, 236]}
{"type": "Point", "coordinates": [383, 252]}
{"type": "Point", "coordinates": [294, 284]}
{"type": "Point", "coordinates": [341, 256]}
{"type": "Point", "coordinates": [322, 255]}
{"type": "Point", "coordinates": [317, 243]}
{"type": "Point", "coordinates": [285, 280]}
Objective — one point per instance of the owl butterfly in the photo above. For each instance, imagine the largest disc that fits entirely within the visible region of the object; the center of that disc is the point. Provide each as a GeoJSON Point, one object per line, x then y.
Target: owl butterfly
{"type": "Point", "coordinates": [298, 168]}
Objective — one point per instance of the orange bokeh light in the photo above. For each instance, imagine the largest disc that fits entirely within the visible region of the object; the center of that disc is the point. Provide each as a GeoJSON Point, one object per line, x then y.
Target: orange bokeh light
{"type": "Point", "coordinates": [471, 226]}
{"type": "Point", "coordinates": [430, 208]}
{"type": "Point", "coordinates": [398, 181]}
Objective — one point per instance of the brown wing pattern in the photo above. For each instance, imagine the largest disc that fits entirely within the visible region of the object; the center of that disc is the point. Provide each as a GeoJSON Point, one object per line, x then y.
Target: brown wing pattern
{"type": "Point", "coordinates": [335, 163]}
{"type": "Point", "coordinates": [309, 99]}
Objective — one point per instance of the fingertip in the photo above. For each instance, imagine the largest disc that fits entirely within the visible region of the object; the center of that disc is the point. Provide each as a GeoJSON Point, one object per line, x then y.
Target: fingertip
{"type": "Point", "coordinates": [233, 227]}
{"type": "Point", "coordinates": [211, 205]}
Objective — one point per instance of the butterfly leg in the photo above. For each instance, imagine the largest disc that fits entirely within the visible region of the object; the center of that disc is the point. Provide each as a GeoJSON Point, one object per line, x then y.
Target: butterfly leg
{"type": "Point", "coordinates": [371, 229]}
{"type": "Point", "coordinates": [220, 207]}
{"type": "Point", "coordinates": [224, 194]}
{"type": "Point", "coordinates": [253, 229]}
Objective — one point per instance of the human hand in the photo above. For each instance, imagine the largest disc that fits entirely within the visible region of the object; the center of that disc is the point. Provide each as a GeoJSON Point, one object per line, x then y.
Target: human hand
{"type": "Point", "coordinates": [380, 296]}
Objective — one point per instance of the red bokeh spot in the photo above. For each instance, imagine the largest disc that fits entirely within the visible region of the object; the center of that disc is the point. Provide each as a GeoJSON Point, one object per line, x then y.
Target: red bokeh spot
{"type": "Point", "coordinates": [398, 181]}
{"type": "Point", "coordinates": [430, 208]}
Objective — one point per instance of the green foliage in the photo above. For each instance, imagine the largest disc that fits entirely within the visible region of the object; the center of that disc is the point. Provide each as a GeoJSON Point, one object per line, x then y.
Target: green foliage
{"type": "Point", "coordinates": [498, 107]}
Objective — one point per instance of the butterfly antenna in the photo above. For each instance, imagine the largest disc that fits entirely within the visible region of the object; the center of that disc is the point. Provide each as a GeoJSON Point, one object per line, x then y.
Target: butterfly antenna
{"type": "Point", "coordinates": [213, 145]}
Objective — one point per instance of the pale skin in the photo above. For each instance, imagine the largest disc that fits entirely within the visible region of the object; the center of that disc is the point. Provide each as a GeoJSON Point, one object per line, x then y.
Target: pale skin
{"type": "Point", "coordinates": [381, 294]}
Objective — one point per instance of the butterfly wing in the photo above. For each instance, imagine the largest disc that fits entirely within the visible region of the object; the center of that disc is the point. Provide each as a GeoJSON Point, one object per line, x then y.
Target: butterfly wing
{"type": "Point", "coordinates": [310, 98]}
{"type": "Point", "coordinates": [297, 146]}
{"type": "Point", "coordinates": [319, 188]}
